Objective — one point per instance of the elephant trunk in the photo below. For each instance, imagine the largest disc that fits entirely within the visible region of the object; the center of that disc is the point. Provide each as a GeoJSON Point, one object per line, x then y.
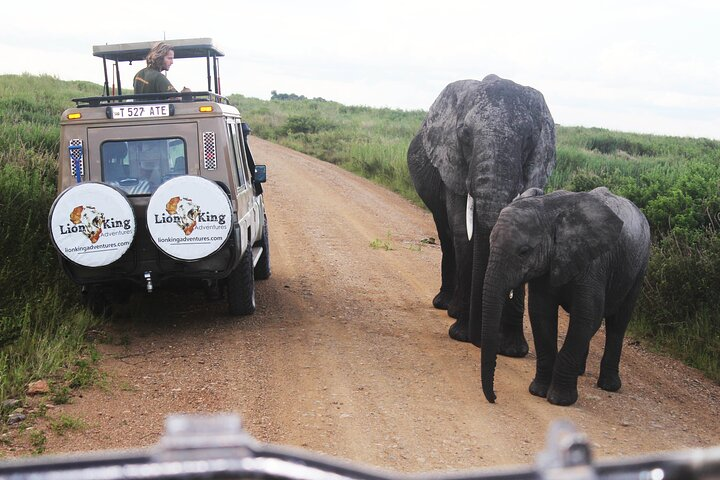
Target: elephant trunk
{"type": "Point", "coordinates": [494, 179]}
{"type": "Point", "coordinates": [494, 295]}
{"type": "Point", "coordinates": [481, 253]}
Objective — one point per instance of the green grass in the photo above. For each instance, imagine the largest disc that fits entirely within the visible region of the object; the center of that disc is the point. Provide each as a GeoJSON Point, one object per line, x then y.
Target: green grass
{"type": "Point", "coordinates": [38, 440]}
{"type": "Point", "coordinates": [42, 329]}
{"type": "Point", "coordinates": [382, 244]}
{"type": "Point", "coordinates": [367, 141]}
{"type": "Point", "coordinates": [65, 423]}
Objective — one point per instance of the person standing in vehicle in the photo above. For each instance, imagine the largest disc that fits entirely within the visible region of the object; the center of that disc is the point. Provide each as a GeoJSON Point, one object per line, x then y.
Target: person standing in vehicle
{"type": "Point", "coordinates": [150, 79]}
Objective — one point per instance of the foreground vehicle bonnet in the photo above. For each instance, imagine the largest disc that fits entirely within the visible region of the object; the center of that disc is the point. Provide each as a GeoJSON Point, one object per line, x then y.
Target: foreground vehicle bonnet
{"type": "Point", "coordinates": [195, 447]}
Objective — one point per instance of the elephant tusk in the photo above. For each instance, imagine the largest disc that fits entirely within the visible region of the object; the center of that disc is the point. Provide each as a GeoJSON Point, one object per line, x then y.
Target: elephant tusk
{"type": "Point", "coordinates": [469, 216]}
{"type": "Point", "coordinates": [510, 295]}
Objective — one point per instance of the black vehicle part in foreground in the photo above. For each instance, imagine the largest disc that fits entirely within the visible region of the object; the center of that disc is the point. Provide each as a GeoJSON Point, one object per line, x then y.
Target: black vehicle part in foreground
{"type": "Point", "coordinates": [195, 447]}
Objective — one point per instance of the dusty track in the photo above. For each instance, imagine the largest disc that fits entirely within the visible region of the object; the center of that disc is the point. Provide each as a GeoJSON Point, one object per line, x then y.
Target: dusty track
{"type": "Point", "coordinates": [346, 356]}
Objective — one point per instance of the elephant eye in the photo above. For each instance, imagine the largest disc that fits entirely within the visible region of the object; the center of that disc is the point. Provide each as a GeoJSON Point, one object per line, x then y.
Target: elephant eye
{"type": "Point", "coordinates": [524, 250]}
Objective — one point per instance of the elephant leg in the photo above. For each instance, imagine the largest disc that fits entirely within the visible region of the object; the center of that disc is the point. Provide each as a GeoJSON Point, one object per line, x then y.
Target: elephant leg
{"type": "Point", "coordinates": [544, 322]}
{"type": "Point", "coordinates": [443, 300]}
{"type": "Point", "coordinates": [585, 314]}
{"type": "Point", "coordinates": [460, 304]}
{"type": "Point", "coordinates": [512, 337]}
{"type": "Point", "coordinates": [609, 378]}
{"type": "Point", "coordinates": [583, 364]}
{"type": "Point", "coordinates": [615, 326]}
{"type": "Point", "coordinates": [461, 301]}
{"type": "Point", "coordinates": [432, 192]}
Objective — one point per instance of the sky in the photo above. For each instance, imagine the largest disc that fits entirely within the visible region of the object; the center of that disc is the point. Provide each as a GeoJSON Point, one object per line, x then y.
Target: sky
{"type": "Point", "coordinates": [634, 66]}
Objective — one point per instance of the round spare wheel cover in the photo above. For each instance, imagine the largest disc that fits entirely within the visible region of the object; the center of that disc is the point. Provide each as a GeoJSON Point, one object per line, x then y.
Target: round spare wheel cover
{"type": "Point", "coordinates": [189, 218]}
{"type": "Point", "coordinates": [92, 224]}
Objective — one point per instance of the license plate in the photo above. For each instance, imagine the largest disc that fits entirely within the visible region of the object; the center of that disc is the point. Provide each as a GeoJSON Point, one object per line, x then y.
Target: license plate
{"type": "Point", "coordinates": [141, 111]}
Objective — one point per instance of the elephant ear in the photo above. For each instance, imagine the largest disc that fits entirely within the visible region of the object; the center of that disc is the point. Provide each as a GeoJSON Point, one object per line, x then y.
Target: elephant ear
{"type": "Point", "coordinates": [585, 229]}
{"type": "Point", "coordinates": [529, 193]}
{"type": "Point", "coordinates": [444, 134]}
{"type": "Point", "coordinates": [541, 161]}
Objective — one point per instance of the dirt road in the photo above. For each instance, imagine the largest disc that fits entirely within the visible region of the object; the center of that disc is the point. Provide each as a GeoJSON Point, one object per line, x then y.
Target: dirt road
{"type": "Point", "coordinates": [346, 356]}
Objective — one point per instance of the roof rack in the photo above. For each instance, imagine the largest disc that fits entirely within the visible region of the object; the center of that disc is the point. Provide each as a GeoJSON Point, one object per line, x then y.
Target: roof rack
{"type": "Point", "coordinates": [183, 48]}
{"type": "Point", "coordinates": [144, 98]}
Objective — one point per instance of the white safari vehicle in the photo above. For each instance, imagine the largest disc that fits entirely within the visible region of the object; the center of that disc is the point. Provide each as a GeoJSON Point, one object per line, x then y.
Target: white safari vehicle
{"type": "Point", "coordinates": [155, 188]}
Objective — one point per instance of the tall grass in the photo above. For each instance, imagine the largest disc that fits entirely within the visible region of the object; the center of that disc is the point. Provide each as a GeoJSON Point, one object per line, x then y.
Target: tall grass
{"type": "Point", "coordinates": [42, 329]}
{"type": "Point", "coordinates": [675, 181]}
{"type": "Point", "coordinates": [371, 142]}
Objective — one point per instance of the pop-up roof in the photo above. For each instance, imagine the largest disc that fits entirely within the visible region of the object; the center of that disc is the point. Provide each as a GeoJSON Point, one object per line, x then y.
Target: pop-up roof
{"type": "Point", "coordinates": [184, 48]}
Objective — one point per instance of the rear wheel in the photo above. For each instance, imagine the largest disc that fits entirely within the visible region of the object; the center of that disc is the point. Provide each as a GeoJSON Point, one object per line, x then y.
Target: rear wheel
{"type": "Point", "coordinates": [262, 269]}
{"type": "Point", "coordinates": [241, 286]}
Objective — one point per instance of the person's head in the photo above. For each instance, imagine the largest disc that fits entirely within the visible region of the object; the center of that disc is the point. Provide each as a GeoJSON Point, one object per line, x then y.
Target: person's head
{"type": "Point", "coordinates": [160, 57]}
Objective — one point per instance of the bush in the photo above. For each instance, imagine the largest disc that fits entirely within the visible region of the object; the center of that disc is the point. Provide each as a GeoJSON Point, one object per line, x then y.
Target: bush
{"type": "Point", "coordinates": [678, 305]}
{"type": "Point", "coordinates": [305, 124]}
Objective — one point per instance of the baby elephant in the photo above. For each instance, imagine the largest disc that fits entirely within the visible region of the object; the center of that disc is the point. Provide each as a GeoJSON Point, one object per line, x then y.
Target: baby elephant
{"type": "Point", "coordinates": [586, 252]}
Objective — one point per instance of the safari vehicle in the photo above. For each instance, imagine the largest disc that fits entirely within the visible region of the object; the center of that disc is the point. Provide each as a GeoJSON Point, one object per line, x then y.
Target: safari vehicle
{"type": "Point", "coordinates": [155, 188]}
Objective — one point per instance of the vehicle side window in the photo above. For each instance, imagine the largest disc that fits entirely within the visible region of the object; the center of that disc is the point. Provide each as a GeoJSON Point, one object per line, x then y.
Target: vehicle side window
{"type": "Point", "coordinates": [139, 166]}
{"type": "Point", "coordinates": [248, 164]}
{"type": "Point", "coordinates": [234, 140]}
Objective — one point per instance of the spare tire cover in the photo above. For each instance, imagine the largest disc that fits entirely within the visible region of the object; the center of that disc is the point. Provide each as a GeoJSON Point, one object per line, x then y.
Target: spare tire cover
{"type": "Point", "coordinates": [189, 218]}
{"type": "Point", "coordinates": [92, 224]}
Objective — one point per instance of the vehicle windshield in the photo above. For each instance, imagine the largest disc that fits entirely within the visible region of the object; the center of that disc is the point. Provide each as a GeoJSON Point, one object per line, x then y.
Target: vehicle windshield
{"type": "Point", "coordinates": [138, 167]}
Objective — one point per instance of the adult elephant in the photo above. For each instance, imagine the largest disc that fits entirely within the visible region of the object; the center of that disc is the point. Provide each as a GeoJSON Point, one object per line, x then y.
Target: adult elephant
{"type": "Point", "coordinates": [481, 144]}
{"type": "Point", "coordinates": [586, 252]}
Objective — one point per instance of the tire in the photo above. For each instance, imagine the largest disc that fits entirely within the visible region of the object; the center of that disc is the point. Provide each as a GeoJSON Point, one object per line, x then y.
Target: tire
{"type": "Point", "coordinates": [91, 241]}
{"type": "Point", "coordinates": [262, 269]}
{"type": "Point", "coordinates": [241, 286]}
{"type": "Point", "coordinates": [96, 301]}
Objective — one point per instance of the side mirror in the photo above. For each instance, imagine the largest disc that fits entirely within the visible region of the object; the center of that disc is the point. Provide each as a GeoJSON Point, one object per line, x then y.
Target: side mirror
{"type": "Point", "coordinates": [260, 173]}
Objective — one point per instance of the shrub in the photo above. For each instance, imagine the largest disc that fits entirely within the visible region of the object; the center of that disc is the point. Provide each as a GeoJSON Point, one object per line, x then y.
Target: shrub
{"type": "Point", "coordinates": [305, 124]}
{"type": "Point", "coordinates": [678, 305]}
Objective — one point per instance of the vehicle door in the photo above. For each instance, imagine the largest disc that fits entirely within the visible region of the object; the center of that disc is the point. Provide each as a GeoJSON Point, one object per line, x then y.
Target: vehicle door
{"type": "Point", "coordinates": [248, 212]}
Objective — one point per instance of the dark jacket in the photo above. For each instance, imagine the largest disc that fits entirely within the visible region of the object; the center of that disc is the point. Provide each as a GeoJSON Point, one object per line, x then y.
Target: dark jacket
{"type": "Point", "coordinates": [149, 80]}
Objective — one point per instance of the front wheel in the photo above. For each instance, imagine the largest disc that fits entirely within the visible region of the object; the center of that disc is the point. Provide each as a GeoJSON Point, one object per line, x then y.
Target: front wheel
{"type": "Point", "coordinates": [262, 269]}
{"type": "Point", "coordinates": [241, 286]}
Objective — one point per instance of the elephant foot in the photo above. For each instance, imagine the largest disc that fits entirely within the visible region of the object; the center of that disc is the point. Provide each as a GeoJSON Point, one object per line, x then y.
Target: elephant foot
{"type": "Point", "coordinates": [539, 389]}
{"type": "Point", "coordinates": [609, 382]}
{"type": "Point", "coordinates": [459, 332]}
{"type": "Point", "coordinates": [513, 346]}
{"type": "Point", "coordinates": [562, 396]}
{"type": "Point", "coordinates": [442, 300]}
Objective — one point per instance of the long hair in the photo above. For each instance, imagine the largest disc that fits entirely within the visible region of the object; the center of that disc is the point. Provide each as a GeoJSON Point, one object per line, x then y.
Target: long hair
{"type": "Point", "coordinates": [156, 55]}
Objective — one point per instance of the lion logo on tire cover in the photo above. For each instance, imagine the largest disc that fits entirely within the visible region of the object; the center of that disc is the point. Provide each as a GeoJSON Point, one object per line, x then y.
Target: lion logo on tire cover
{"type": "Point", "coordinates": [90, 219]}
{"type": "Point", "coordinates": [187, 213]}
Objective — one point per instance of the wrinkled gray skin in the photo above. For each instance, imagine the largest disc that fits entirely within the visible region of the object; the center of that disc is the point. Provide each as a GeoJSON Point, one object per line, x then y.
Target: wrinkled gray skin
{"type": "Point", "coordinates": [493, 139]}
{"type": "Point", "coordinates": [586, 252]}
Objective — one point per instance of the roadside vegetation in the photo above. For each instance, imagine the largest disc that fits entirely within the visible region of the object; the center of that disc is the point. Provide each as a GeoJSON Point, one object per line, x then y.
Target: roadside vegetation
{"type": "Point", "coordinates": [675, 181]}
{"type": "Point", "coordinates": [45, 333]}
{"type": "Point", "coordinates": [371, 142]}
{"type": "Point", "coordinates": [42, 327]}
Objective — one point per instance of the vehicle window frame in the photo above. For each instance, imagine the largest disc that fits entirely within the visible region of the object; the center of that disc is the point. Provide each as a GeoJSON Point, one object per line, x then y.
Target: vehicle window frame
{"type": "Point", "coordinates": [244, 149]}
{"type": "Point", "coordinates": [236, 152]}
